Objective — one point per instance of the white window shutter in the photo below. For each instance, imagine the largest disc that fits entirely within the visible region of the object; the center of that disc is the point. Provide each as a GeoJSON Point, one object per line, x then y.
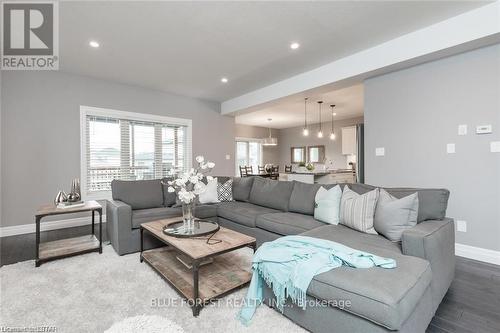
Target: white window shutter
{"type": "Point", "coordinates": [130, 146]}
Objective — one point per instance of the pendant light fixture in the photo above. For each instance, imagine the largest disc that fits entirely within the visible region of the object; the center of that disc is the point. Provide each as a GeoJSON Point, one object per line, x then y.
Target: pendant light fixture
{"type": "Point", "coordinates": [270, 141]}
{"type": "Point", "coordinates": [305, 131]}
{"type": "Point", "coordinates": [332, 134]}
{"type": "Point", "coordinates": [320, 133]}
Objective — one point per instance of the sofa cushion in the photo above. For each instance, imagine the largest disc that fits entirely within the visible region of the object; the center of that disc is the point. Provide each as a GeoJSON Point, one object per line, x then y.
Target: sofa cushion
{"type": "Point", "coordinates": [138, 194]}
{"type": "Point", "coordinates": [384, 296]}
{"type": "Point", "coordinates": [147, 215]}
{"type": "Point", "coordinates": [242, 188]}
{"type": "Point", "coordinates": [152, 214]}
{"type": "Point", "coordinates": [302, 198]}
{"type": "Point", "coordinates": [205, 211]}
{"type": "Point", "coordinates": [358, 187]}
{"type": "Point", "coordinates": [271, 193]}
{"type": "Point", "coordinates": [432, 202]}
{"type": "Point", "coordinates": [287, 223]}
{"type": "Point", "coordinates": [244, 213]}
{"type": "Point", "coordinates": [220, 179]}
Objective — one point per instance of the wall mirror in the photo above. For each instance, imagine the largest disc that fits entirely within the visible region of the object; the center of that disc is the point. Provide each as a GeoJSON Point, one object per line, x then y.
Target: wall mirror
{"type": "Point", "coordinates": [316, 154]}
{"type": "Point", "coordinates": [298, 154]}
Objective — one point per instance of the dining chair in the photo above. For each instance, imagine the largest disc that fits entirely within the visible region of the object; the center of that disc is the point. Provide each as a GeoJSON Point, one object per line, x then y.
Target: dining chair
{"type": "Point", "coordinates": [288, 168]}
{"type": "Point", "coordinates": [262, 169]}
{"type": "Point", "coordinates": [275, 173]}
{"type": "Point", "coordinates": [249, 170]}
{"type": "Point", "coordinates": [243, 171]}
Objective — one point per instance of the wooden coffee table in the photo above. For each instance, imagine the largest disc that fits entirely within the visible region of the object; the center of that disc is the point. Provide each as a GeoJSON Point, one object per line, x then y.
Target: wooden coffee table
{"type": "Point", "coordinates": [201, 283]}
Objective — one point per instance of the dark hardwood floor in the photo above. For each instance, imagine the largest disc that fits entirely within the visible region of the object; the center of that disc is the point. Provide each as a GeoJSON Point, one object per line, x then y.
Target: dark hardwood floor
{"type": "Point", "coordinates": [472, 303]}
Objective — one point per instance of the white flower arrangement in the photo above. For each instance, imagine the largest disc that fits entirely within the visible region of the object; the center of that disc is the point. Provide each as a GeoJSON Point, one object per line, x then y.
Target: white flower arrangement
{"type": "Point", "coordinates": [189, 184]}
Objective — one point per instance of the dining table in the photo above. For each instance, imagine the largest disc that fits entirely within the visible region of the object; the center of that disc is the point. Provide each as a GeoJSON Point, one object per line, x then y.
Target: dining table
{"type": "Point", "coordinates": [260, 174]}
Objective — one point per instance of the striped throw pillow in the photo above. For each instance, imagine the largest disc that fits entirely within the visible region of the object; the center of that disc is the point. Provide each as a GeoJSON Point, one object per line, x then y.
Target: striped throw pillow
{"type": "Point", "coordinates": [358, 210]}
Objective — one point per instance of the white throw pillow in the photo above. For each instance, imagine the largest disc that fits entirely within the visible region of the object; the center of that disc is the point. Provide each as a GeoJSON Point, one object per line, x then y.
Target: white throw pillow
{"type": "Point", "coordinates": [357, 211]}
{"type": "Point", "coordinates": [210, 195]}
{"type": "Point", "coordinates": [327, 205]}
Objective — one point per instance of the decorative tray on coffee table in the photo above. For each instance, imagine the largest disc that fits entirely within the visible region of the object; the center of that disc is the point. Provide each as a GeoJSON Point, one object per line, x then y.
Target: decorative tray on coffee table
{"type": "Point", "coordinates": [200, 228]}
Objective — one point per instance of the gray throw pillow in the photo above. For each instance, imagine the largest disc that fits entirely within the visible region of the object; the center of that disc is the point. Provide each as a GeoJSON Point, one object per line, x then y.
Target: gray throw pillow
{"type": "Point", "coordinates": [393, 216]}
{"type": "Point", "coordinates": [169, 198]}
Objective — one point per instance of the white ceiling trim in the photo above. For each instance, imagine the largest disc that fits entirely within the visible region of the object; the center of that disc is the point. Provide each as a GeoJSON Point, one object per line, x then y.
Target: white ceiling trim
{"type": "Point", "coordinates": [473, 29]}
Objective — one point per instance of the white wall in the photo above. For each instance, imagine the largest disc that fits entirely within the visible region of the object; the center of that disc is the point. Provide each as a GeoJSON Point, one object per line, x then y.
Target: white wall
{"type": "Point", "coordinates": [40, 132]}
{"type": "Point", "coordinates": [414, 113]}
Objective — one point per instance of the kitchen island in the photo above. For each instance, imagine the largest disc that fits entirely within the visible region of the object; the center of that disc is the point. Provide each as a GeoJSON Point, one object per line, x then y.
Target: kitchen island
{"type": "Point", "coordinates": [321, 177]}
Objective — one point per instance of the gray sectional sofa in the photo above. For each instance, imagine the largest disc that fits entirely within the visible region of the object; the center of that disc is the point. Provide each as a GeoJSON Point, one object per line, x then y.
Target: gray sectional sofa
{"type": "Point", "coordinates": [403, 299]}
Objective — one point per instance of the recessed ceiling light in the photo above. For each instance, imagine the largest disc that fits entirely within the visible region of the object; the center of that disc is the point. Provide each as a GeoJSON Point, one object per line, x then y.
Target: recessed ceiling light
{"type": "Point", "coordinates": [94, 44]}
{"type": "Point", "coordinates": [294, 45]}
{"type": "Point", "coordinates": [224, 80]}
{"type": "Point", "coordinates": [334, 114]}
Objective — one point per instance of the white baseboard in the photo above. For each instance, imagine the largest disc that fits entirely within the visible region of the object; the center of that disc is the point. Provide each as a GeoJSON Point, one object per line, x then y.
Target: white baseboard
{"type": "Point", "coordinates": [49, 225]}
{"type": "Point", "coordinates": [477, 253]}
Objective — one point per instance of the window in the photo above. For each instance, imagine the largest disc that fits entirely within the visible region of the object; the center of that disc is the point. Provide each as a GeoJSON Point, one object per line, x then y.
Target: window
{"type": "Point", "coordinates": [129, 146]}
{"type": "Point", "coordinates": [248, 153]}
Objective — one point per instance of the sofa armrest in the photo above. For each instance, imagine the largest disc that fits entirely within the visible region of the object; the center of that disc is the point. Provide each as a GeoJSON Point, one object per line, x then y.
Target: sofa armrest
{"type": "Point", "coordinates": [118, 223]}
{"type": "Point", "coordinates": [434, 241]}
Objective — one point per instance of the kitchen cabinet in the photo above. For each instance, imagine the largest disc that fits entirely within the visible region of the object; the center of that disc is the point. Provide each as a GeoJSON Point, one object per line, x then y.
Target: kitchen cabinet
{"type": "Point", "coordinates": [349, 140]}
{"type": "Point", "coordinates": [307, 178]}
{"type": "Point", "coordinates": [328, 177]}
{"type": "Point", "coordinates": [337, 178]}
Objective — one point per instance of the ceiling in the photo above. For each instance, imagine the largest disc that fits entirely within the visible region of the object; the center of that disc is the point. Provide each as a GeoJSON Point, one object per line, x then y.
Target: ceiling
{"type": "Point", "coordinates": [289, 112]}
{"type": "Point", "coordinates": [187, 47]}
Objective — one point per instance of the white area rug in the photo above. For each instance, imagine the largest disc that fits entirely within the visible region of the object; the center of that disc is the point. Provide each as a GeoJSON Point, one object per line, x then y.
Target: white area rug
{"type": "Point", "coordinates": [145, 324]}
{"type": "Point", "coordinates": [91, 292]}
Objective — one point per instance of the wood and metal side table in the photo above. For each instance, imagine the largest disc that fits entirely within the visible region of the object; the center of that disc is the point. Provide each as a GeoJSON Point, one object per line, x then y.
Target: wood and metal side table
{"type": "Point", "coordinates": [70, 246]}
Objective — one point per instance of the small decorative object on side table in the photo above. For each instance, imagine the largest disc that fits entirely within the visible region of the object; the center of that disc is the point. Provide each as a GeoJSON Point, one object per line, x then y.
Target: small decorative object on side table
{"type": "Point", "coordinates": [71, 199]}
{"type": "Point", "coordinates": [71, 246]}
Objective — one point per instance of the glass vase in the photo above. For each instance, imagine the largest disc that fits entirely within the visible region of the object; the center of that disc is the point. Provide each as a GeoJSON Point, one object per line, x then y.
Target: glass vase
{"type": "Point", "coordinates": [188, 215]}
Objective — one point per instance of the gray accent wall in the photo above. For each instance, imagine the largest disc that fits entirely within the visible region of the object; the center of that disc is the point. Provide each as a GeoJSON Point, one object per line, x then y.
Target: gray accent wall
{"type": "Point", "coordinates": [292, 137]}
{"type": "Point", "coordinates": [40, 132]}
{"type": "Point", "coordinates": [270, 154]}
{"type": "Point", "coordinates": [414, 113]}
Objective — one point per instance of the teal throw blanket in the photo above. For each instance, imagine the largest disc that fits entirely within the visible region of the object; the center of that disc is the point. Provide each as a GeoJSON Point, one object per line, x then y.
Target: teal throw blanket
{"type": "Point", "coordinates": [289, 263]}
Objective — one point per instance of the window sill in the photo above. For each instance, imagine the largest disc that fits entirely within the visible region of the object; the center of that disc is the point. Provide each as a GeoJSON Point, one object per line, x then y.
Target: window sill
{"type": "Point", "coordinates": [105, 195]}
